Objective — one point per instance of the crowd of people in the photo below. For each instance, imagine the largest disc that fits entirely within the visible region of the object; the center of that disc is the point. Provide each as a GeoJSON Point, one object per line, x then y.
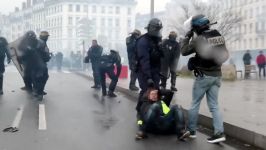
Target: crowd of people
{"type": "Point", "coordinates": [152, 61]}
{"type": "Point", "coordinates": [260, 61]}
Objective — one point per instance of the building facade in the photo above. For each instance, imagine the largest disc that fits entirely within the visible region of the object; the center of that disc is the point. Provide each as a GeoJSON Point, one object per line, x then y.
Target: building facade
{"type": "Point", "coordinates": [110, 22]}
{"type": "Point", "coordinates": [252, 28]}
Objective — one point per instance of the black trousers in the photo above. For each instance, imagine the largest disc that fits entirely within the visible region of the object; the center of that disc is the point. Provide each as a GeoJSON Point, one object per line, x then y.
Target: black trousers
{"type": "Point", "coordinates": [39, 78]}
{"type": "Point", "coordinates": [114, 79]}
{"type": "Point", "coordinates": [262, 68]}
{"type": "Point", "coordinates": [96, 73]}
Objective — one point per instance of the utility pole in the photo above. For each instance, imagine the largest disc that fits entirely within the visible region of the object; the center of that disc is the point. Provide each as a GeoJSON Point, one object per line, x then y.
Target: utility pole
{"type": "Point", "coordinates": [152, 8]}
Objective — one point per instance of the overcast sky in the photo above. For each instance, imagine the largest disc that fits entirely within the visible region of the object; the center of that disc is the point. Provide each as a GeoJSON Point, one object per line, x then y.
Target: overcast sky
{"type": "Point", "coordinates": [143, 6]}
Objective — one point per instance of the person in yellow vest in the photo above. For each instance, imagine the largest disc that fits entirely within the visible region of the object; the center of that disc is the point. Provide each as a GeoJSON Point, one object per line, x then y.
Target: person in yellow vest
{"type": "Point", "coordinates": [157, 116]}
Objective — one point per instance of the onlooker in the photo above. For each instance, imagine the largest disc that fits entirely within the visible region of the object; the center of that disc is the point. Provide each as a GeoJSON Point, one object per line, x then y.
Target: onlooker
{"type": "Point", "coordinates": [261, 61]}
{"type": "Point", "coordinates": [59, 60]}
{"type": "Point", "coordinates": [247, 61]}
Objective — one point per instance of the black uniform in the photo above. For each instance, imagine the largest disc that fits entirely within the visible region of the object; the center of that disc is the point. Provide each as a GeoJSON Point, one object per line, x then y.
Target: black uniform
{"type": "Point", "coordinates": [171, 51]}
{"type": "Point", "coordinates": [3, 54]}
{"type": "Point", "coordinates": [41, 70]}
{"type": "Point", "coordinates": [59, 60]}
{"type": "Point", "coordinates": [94, 55]}
{"type": "Point", "coordinates": [131, 47]}
{"type": "Point", "coordinates": [107, 67]}
{"type": "Point", "coordinates": [29, 58]}
{"type": "Point", "coordinates": [149, 55]}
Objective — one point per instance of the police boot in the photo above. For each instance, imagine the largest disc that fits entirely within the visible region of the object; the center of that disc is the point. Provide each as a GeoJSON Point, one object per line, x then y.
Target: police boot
{"type": "Point", "coordinates": [133, 88]}
{"type": "Point", "coordinates": [1, 85]}
{"type": "Point", "coordinates": [111, 94]}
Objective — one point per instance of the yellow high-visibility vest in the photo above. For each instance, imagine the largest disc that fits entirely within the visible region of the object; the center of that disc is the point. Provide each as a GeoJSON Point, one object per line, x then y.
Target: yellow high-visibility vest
{"type": "Point", "coordinates": [166, 109]}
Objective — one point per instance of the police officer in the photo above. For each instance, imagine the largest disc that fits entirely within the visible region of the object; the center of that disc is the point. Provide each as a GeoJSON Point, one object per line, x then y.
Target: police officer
{"type": "Point", "coordinates": [107, 67]}
{"type": "Point", "coordinates": [209, 47]}
{"type": "Point", "coordinates": [3, 53]}
{"type": "Point", "coordinates": [171, 51]}
{"type": "Point", "coordinates": [44, 52]}
{"type": "Point", "coordinates": [148, 58]}
{"type": "Point", "coordinates": [94, 55]}
{"type": "Point", "coordinates": [131, 47]}
{"type": "Point", "coordinates": [27, 47]}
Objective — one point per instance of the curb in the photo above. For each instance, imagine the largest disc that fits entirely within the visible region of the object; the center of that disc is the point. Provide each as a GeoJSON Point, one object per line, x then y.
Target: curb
{"type": "Point", "coordinates": [241, 134]}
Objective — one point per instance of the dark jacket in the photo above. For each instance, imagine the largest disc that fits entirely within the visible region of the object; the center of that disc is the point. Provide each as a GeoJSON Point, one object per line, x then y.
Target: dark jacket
{"type": "Point", "coordinates": [43, 50]}
{"type": "Point", "coordinates": [95, 53]}
{"type": "Point", "coordinates": [171, 50]}
{"type": "Point", "coordinates": [247, 58]}
{"type": "Point", "coordinates": [149, 53]}
{"type": "Point", "coordinates": [131, 47]}
{"type": "Point", "coordinates": [108, 62]}
{"type": "Point", "coordinates": [207, 66]}
{"type": "Point", "coordinates": [3, 53]}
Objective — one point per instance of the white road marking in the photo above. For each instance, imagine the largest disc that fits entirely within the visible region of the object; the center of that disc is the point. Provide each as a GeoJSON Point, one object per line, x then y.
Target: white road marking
{"type": "Point", "coordinates": [42, 118]}
{"type": "Point", "coordinates": [18, 117]}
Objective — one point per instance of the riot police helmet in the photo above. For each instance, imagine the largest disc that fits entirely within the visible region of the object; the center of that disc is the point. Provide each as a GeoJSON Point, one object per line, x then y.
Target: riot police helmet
{"type": "Point", "coordinates": [200, 23]}
{"type": "Point", "coordinates": [154, 27]}
{"type": "Point", "coordinates": [31, 35]}
{"type": "Point", "coordinates": [136, 33]}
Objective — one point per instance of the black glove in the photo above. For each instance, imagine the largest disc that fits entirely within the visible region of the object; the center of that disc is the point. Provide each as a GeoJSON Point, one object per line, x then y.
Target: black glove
{"type": "Point", "coordinates": [189, 34]}
{"type": "Point", "coordinates": [150, 83]}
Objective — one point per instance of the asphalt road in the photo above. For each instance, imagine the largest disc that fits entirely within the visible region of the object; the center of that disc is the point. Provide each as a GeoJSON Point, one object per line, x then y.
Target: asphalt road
{"type": "Point", "coordinates": [78, 118]}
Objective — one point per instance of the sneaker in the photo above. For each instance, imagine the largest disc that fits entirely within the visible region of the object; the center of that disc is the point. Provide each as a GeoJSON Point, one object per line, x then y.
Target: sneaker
{"type": "Point", "coordinates": [111, 94]}
{"type": "Point", "coordinates": [219, 137]}
{"type": "Point", "coordinates": [44, 93]}
{"type": "Point", "coordinates": [141, 135]}
{"type": "Point", "coordinates": [26, 89]}
{"type": "Point", "coordinates": [192, 134]}
{"type": "Point", "coordinates": [133, 88]}
{"type": "Point", "coordinates": [184, 134]}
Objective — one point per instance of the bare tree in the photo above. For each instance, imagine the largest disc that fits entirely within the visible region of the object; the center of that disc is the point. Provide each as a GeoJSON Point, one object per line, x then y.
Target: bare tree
{"type": "Point", "coordinates": [227, 19]}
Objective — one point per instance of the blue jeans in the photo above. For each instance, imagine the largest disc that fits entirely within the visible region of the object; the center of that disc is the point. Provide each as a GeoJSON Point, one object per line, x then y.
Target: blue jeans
{"type": "Point", "coordinates": [209, 85]}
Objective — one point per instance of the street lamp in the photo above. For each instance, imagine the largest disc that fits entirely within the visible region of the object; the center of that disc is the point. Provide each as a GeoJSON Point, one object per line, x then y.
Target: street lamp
{"type": "Point", "coordinates": [152, 8]}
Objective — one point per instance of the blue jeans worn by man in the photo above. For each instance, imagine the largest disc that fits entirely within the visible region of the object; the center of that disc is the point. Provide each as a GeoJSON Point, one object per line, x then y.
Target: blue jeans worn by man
{"type": "Point", "coordinates": [209, 85]}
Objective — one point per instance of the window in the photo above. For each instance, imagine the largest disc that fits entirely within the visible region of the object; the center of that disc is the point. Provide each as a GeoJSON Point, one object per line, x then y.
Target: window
{"type": "Point", "coordinates": [110, 22]}
{"type": "Point", "coordinates": [262, 41]}
{"type": "Point", "coordinates": [77, 8]}
{"type": "Point", "coordinates": [70, 20]}
{"type": "Point", "coordinates": [103, 22]}
{"type": "Point", "coordinates": [245, 28]}
{"type": "Point", "coordinates": [103, 10]}
{"type": "Point", "coordinates": [240, 29]}
{"type": "Point", "coordinates": [257, 26]}
{"type": "Point", "coordinates": [262, 25]}
{"type": "Point", "coordinates": [245, 43]}
{"type": "Point", "coordinates": [94, 9]}
{"type": "Point", "coordinates": [117, 10]}
{"type": "Point", "coordinates": [110, 9]}
{"type": "Point", "coordinates": [117, 22]}
{"type": "Point", "coordinates": [250, 27]}
{"type": "Point", "coordinates": [85, 8]}
{"type": "Point", "coordinates": [250, 43]}
{"type": "Point", "coordinates": [77, 20]}
{"type": "Point", "coordinates": [129, 23]}
{"type": "Point", "coordinates": [129, 11]}
{"type": "Point", "coordinates": [251, 13]}
{"type": "Point", "coordinates": [70, 8]}
{"type": "Point", "coordinates": [257, 42]}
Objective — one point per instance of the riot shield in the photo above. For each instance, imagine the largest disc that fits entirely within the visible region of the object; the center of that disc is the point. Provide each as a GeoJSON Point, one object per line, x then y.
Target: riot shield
{"type": "Point", "coordinates": [15, 53]}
